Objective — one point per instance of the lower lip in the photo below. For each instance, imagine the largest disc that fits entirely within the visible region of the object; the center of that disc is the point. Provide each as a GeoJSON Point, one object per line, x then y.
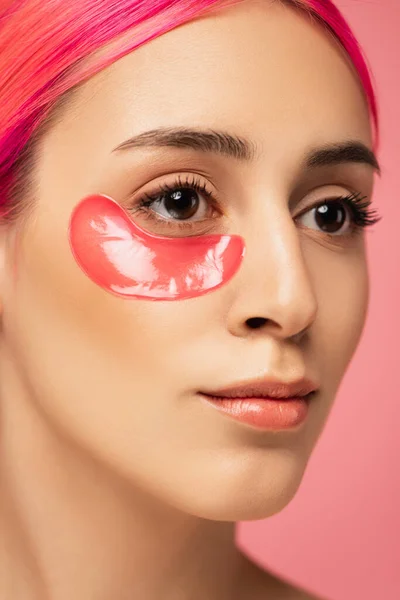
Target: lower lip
{"type": "Point", "coordinates": [263, 413]}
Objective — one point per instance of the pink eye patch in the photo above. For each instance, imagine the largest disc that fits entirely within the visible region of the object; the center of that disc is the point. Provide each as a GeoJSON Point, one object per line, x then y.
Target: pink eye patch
{"type": "Point", "coordinates": [125, 260]}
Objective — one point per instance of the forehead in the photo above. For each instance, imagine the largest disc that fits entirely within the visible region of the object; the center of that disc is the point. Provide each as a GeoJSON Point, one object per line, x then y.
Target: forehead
{"type": "Point", "coordinates": [258, 68]}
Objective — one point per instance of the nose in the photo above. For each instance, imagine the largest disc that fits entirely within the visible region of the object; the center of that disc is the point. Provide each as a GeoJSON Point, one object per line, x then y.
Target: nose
{"type": "Point", "coordinates": [274, 291]}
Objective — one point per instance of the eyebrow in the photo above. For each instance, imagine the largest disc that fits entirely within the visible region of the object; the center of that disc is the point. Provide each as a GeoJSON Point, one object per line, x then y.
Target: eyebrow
{"type": "Point", "coordinates": [234, 146]}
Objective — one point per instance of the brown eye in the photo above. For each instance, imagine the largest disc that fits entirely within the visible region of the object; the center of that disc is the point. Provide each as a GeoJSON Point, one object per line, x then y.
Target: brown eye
{"type": "Point", "coordinates": [189, 201]}
{"type": "Point", "coordinates": [181, 203]}
{"type": "Point", "coordinates": [330, 217]}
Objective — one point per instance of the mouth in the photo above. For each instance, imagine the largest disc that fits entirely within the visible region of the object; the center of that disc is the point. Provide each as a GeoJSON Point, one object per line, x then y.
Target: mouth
{"type": "Point", "coordinates": [264, 404]}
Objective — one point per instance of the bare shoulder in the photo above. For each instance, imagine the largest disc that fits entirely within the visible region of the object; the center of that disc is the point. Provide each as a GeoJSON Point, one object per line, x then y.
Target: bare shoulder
{"type": "Point", "coordinates": [284, 590]}
{"type": "Point", "coordinates": [298, 594]}
{"type": "Point", "coordinates": [264, 585]}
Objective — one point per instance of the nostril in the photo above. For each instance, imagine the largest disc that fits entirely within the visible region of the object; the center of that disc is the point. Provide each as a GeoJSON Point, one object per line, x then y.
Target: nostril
{"type": "Point", "coordinates": [256, 322]}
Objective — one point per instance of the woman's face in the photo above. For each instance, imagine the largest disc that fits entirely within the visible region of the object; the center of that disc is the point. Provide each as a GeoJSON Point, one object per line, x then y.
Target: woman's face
{"type": "Point", "coordinates": [120, 376]}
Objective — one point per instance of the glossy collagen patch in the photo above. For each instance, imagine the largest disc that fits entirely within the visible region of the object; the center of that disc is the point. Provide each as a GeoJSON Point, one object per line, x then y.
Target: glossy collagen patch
{"type": "Point", "coordinates": [127, 261]}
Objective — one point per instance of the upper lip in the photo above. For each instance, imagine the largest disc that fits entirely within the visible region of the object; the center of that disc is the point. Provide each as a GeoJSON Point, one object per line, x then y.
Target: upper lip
{"type": "Point", "coordinates": [268, 388]}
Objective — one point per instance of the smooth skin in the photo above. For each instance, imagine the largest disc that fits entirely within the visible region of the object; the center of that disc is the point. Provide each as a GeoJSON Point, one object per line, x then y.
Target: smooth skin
{"type": "Point", "coordinates": [116, 480]}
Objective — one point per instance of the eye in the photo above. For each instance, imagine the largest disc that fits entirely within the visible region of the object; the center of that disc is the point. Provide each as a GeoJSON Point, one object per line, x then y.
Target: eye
{"type": "Point", "coordinates": [329, 217]}
{"type": "Point", "coordinates": [182, 201]}
{"type": "Point", "coordinates": [182, 204]}
{"type": "Point", "coordinates": [340, 216]}
{"type": "Point", "coordinates": [178, 207]}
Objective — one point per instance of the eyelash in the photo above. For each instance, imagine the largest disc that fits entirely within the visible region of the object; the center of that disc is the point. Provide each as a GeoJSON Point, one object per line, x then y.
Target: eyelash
{"type": "Point", "coordinates": [194, 184]}
{"type": "Point", "coordinates": [361, 215]}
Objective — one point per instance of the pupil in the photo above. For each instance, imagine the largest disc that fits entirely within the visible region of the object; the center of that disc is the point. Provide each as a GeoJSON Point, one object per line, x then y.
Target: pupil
{"type": "Point", "coordinates": [182, 203]}
{"type": "Point", "coordinates": [330, 217]}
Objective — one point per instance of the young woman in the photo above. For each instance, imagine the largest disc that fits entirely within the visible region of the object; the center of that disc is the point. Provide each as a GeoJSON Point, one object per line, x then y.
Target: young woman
{"type": "Point", "coordinates": [185, 187]}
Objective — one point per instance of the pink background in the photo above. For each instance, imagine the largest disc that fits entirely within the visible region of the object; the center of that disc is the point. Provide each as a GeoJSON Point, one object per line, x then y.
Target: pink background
{"type": "Point", "coordinates": [340, 536]}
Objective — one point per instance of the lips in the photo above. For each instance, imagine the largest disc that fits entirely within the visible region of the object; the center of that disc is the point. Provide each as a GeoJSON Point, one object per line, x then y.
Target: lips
{"type": "Point", "coordinates": [266, 405]}
{"type": "Point", "coordinates": [269, 389]}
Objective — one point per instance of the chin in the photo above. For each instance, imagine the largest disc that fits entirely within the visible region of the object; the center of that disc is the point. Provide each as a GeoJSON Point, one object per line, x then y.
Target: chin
{"type": "Point", "coordinates": [242, 495]}
{"type": "Point", "coordinates": [247, 505]}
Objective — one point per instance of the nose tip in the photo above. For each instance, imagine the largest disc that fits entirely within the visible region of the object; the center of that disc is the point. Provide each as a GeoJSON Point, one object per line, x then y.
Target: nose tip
{"type": "Point", "coordinates": [293, 329]}
{"type": "Point", "coordinates": [275, 291]}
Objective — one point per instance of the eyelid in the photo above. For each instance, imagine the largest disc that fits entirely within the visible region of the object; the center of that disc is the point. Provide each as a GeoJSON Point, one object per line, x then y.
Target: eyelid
{"type": "Point", "coordinates": [172, 179]}
{"type": "Point", "coordinates": [319, 196]}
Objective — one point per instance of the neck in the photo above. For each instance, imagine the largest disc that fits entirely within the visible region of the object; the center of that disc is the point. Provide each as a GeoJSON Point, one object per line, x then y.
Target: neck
{"type": "Point", "coordinates": [71, 528]}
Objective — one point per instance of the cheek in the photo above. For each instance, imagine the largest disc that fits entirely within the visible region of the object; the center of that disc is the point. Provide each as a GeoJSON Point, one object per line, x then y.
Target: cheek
{"type": "Point", "coordinates": [344, 302]}
{"type": "Point", "coordinates": [76, 342]}
{"type": "Point", "coordinates": [127, 261]}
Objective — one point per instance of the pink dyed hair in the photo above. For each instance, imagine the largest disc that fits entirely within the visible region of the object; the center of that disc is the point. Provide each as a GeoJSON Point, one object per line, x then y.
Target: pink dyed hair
{"type": "Point", "coordinates": [48, 47]}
